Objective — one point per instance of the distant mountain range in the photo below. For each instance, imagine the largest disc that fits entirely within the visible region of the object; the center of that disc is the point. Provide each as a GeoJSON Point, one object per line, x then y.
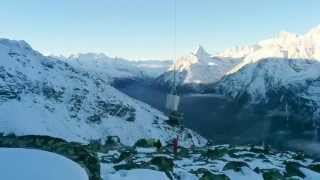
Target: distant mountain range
{"type": "Point", "coordinates": [273, 81]}
{"type": "Point", "coordinates": [277, 80]}
{"type": "Point", "coordinates": [117, 68]}
{"type": "Point", "coordinates": [200, 68]}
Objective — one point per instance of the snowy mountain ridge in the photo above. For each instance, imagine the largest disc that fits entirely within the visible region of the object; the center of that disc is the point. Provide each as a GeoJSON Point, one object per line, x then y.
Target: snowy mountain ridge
{"type": "Point", "coordinates": [201, 68]}
{"type": "Point", "coordinates": [278, 82]}
{"type": "Point", "coordinates": [46, 96]}
{"type": "Point", "coordinates": [283, 93]}
{"type": "Point", "coordinates": [285, 60]}
{"type": "Point", "coordinates": [272, 74]}
{"type": "Point", "coordinates": [284, 45]}
{"type": "Point", "coordinates": [116, 68]}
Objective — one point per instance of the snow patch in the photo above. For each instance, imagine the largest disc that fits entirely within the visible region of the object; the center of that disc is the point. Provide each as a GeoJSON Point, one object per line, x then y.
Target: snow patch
{"type": "Point", "coordinates": [18, 164]}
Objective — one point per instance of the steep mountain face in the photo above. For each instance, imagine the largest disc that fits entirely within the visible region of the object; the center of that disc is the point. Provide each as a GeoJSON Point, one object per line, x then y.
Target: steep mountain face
{"type": "Point", "coordinates": [45, 96]}
{"type": "Point", "coordinates": [284, 45]}
{"type": "Point", "coordinates": [117, 68]}
{"type": "Point", "coordinates": [268, 74]}
{"type": "Point", "coordinates": [276, 90]}
{"type": "Point", "coordinates": [276, 83]}
{"type": "Point", "coordinates": [288, 62]}
{"type": "Point", "coordinates": [196, 70]}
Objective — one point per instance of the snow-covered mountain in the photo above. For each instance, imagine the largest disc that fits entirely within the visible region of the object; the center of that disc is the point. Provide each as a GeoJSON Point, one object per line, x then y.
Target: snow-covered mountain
{"type": "Point", "coordinates": [285, 45]}
{"type": "Point", "coordinates": [197, 69]}
{"type": "Point", "coordinates": [288, 60]}
{"type": "Point", "coordinates": [283, 93]}
{"type": "Point", "coordinates": [278, 79]}
{"type": "Point", "coordinates": [115, 68]}
{"type": "Point", "coordinates": [269, 75]}
{"type": "Point", "coordinates": [46, 96]}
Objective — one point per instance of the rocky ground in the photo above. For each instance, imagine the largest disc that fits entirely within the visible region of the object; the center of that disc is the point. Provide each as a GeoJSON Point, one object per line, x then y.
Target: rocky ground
{"type": "Point", "coordinates": [148, 159]}
{"type": "Point", "coordinates": [222, 162]}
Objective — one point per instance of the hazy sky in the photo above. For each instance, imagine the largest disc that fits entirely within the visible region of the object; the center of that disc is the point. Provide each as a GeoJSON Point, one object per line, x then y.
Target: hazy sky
{"type": "Point", "coordinates": [143, 29]}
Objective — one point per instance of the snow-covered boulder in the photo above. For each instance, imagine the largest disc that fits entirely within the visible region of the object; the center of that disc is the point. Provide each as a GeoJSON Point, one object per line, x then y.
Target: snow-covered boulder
{"type": "Point", "coordinates": [19, 164]}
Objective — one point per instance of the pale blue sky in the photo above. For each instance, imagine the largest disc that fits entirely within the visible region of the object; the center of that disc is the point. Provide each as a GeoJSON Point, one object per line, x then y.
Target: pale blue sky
{"type": "Point", "coordinates": [143, 29]}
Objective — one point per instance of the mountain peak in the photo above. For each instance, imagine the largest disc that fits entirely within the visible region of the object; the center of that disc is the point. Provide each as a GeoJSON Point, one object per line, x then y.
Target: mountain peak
{"type": "Point", "coordinates": [201, 53]}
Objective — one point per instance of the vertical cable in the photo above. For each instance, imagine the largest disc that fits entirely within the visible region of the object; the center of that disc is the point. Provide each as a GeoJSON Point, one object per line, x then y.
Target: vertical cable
{"type": "Point", "coordinates": [174, 44]}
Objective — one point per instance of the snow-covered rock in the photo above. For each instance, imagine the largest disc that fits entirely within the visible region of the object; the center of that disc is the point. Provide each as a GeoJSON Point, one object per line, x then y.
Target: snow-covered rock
{"type": "Point", "coordinates": [19, 164]}
{"type": "Point", "coordinates": [46, 96]}
{"type": "Point", "coordinates": [198, 68]}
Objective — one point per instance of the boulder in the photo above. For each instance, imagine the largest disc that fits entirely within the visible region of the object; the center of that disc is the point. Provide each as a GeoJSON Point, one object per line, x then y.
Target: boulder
{"type": "Point", "coordinates": [292, 169]}
{"type": "Point", "coordinates": [272, 174]}
{"type": "Point", "coordinates": [112, 141]}
{"type": "Point", "coordinates": [163, 163]}
{"type": "Point", "coordinates": [124, 155]}
{"type": "Point", "coordinates": [315, 167]}
{"type": "Point", "coordinates": [147, 143]}
{"type": "Point", "coordinates": [215, 153]}
{"type": "Point", "coordinates": [235, 165]}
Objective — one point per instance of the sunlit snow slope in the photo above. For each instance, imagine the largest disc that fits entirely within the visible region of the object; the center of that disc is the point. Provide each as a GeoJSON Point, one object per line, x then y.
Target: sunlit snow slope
{"type": "Point", "coordinates": [26, 164]}
{"type": "Point", "coordinates": [117, 68]}
{"type": "Point", "coordinates": [47, 96]}
{"type": "Point", "coordinates": [284, 45]}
